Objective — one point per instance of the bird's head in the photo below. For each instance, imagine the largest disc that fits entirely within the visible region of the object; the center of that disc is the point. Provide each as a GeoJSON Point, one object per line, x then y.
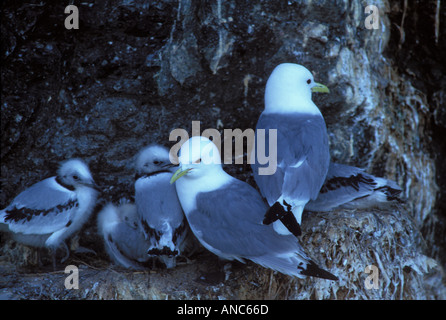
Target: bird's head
{"type": "Point", "coordinates": [289, 89]}
{"type": "Point", "coordinates": [75, 173]}
{"type": "Point", "coordinates": [199, 157]}
{"type": "Point", "coordinates": [152, 159]}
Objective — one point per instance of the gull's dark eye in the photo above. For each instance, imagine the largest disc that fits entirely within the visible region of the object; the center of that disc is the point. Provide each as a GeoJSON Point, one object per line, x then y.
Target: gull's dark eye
{"type": "Point", "coordinates": [156, 162]}
{"type": "Point", "coordinates": [75, 177]}
{"type": "Point", "coordinates": [309, 81]}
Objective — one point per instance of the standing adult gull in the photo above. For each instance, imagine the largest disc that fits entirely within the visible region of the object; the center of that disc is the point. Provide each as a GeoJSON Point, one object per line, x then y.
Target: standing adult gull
{"type": "Point", "coordinates": [226, 214]}
{"type": "Point", "coordinates": [302, 146]}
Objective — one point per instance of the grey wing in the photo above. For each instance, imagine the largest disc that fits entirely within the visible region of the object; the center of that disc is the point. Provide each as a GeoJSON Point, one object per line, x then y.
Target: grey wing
{"type": "Point", "coordinates": [230, 221]}
{"type": "Point", "coordinates": [302, 156]}
{"type": "Point", "coordinates": [123, 242]}
{"type": "Point", "coordinates": [347, 185]}
{"type": "Point", "coordinates": [130, 242]}
{"type": "Point", "coordinates": [270, 186]}
{"type": "Point", "coordinates": [158, 204]}
{"type": "Point", "coordinates": [43, 208]}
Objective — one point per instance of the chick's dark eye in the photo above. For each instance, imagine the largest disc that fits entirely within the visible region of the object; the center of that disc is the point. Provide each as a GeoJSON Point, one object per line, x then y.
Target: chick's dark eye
{"type": "Point", "coordinates": [75, 177]}
{"type": "Point", "coordinates": [309, 81]}
{"type": "Point", "coordinates": [156, 162]}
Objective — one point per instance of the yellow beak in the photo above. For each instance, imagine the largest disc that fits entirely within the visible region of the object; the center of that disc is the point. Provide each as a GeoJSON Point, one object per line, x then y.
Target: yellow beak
{"type": "Point", "coordinates": [319, 87]}
{"type": "Point", "coordinates": [178, 174]}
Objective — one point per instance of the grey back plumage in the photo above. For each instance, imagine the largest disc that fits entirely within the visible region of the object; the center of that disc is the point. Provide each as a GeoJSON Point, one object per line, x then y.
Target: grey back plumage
{"type": "Point", "coordinates": [230, 219]}
{"type": "Point", "coordinates": [300, 138]}
{"type": "Point", "coordinates": [43, 208]}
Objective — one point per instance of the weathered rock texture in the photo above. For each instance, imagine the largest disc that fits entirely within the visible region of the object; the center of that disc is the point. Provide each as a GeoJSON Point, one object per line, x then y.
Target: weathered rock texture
{"type": "Point", "coordinates": [135, 71]}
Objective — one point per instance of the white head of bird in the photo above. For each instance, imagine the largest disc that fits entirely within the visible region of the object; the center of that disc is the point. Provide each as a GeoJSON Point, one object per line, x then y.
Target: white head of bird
{"type": "Point", "coordinates": [153, 158]}
{"type": "Point", "coordinates": [75, 173]}
{"type": "Point", "coordinates": [200, 171]}
{"type": "Point", "coordinates": [198, 158]}
{"type": "Point", "coordinates": [289, 89]}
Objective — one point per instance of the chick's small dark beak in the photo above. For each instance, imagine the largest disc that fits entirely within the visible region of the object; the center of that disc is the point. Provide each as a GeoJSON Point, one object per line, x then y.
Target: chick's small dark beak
{"type": "Point", "coordinates": [94, 185]}
{"type": "Point", "coordinates": [169, 165]}
{"type": "Point", "coordinates": [138, 175]}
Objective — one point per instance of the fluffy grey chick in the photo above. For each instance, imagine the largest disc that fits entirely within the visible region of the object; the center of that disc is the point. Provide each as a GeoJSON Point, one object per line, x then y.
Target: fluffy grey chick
{"type": "Point", "coordinates": [52, 210]}
{"type": "Point", "coordinates": [124, 240]}
{"type": "Point", "coordinates": [157, 202]}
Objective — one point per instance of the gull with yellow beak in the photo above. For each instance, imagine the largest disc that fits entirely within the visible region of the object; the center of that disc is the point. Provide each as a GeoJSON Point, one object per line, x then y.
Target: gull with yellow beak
{"type": "Point", "coordinates": [302, 146]}
{"type": "Point", "coordinates": [225, 214]}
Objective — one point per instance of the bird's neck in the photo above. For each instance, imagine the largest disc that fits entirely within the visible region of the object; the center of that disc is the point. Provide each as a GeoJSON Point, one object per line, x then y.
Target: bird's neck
{"type": "Point", "coordinates": [188, 188]}
{"type": "Point", "coordinates": [288, 101]}
{"type": "Point", "coordinates": [283, 108]}
{"type": "Point", "coordinates": [60, 181]}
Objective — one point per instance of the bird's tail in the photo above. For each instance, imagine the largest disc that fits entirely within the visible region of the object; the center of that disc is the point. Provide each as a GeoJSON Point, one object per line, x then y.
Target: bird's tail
{"type": "Point", "coordinates": [384, 193]}
{"type": "Point", "coordinates": [162, 251]}
{"type": "Point", "coordinates": [389, 189]}
{"type": "Point", "coordinates": [294, 265]}
{"type": "Point", "coordinates": [313, 270]}
{"type": "Point", "coordinates": [164, 248]}
{"type": "Point", "coordinates": [166, 254]}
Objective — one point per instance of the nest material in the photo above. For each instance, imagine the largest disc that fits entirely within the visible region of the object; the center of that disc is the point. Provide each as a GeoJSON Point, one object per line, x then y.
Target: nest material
{"type": "Point", "coordinates": [343, 242]}
{"type": "Point", "coordinates": [346, 242]}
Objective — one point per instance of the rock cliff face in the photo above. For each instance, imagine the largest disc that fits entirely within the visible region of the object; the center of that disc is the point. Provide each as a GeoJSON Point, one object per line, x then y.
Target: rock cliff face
{"type": "Point", "coordinates": [134, 71]}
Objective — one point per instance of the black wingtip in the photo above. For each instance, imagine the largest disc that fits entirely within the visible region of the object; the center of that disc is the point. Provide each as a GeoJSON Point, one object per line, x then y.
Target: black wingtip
{"type": "Point", "coordinates": [392, 194]}
{"type": "Point", "coordinates": [165, 251]}
{"type": "Point", "coordinates": [313, 270]}
{"type": "Point", "coordinates": [277, 212]}
{"type": "Point", "coordinates": [274, 213]}
{"type": "Point", "coordinates": [290, 222]}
